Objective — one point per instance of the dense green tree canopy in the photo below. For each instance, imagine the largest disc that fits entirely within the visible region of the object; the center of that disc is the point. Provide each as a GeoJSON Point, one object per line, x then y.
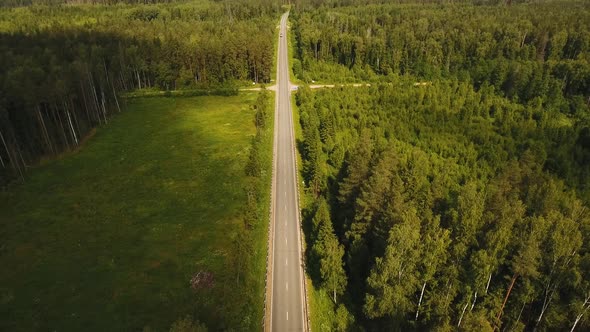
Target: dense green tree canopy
{"type": "Point", "coordinates": [458, 180]}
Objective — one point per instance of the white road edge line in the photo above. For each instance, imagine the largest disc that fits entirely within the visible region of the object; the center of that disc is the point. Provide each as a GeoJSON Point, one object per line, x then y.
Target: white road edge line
{"type": "Point", "coordinates": [297, 211]}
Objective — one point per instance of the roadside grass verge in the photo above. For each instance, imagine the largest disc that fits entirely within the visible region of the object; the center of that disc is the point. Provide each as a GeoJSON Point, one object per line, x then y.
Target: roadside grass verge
{"type": "Point", "coordinates": [322, 309]}
{"type": "Point", "coordinates": [109, 237]}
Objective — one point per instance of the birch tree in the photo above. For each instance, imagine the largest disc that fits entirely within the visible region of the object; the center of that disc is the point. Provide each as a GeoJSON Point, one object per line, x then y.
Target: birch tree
{"type": "Point", "coordinates": [561, 248]}
{"type": "Point", "coordinates": [393, 278]}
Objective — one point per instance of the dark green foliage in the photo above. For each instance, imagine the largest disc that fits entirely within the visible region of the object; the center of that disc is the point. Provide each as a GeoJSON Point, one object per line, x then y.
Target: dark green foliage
{"type": "Point", "coordinates": [262, 110]}
{"type": "Point", "coordinates": [530, 51]}
{"type": "Point", "coordinates": [254, 167]}
{"type": "Point", "coordinates": [187, 325]}
{"type": "Point", "coordinates": [327, 252]}
{"type": "Point", "coordinates": [444, 177]}
{"type": "Point", "coordinates": [445, 205]}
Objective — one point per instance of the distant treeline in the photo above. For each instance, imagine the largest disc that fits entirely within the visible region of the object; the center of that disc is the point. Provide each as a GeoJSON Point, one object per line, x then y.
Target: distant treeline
{"type": "Point", "coordinates": [19, 3]}
{"type": "Point", "coordinates": [311, 3]}
{"type": "Point", "coordinates": [347, 3]}
{"type": "Point", "coordinates": [526, 52]}
{"type": "Point", "coordinates": [62, 68]}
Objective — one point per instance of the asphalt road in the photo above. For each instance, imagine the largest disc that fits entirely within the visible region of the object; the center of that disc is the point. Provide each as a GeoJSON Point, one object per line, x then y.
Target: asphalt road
{"type": "Point", "coordinates": [288, 298]}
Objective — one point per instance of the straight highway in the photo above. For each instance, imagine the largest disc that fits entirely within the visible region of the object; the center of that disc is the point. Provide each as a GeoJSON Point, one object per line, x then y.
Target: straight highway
{"type": "Point", "coordinates": [288, 306]}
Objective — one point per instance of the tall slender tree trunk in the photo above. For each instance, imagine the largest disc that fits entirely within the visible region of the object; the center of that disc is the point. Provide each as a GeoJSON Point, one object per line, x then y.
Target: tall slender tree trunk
{"type": "Point", "coordinates": [519, 315]}
{"type": "Point", "coordinates": [146, 83]}
{"type": "Point", "coordinates": [73, 132]}
{"type": "Point", "coordinates": [75, 117]}
{"type": "Point", "coordinates": [85, 103]}
{"type": "Point", "coordinates": [116, 99]}
{"type": "Point", "coordinates": [20, 154]}
{"type": "Point", "coordinates": [104, 108]}
{"type": "Point", "coordinates": [138, 79]}
{"type": "Point", "coordinates": [63, 129]}
{"type": "Point", "coordinates": [474, 300]}
{"type": "Point", "coordinates": [6, 147]}
{"type": "Point", "coordinates": [2, 160]}
{"type": "Point", "coordinates": [68, 121]}
{"type": "Point", "coordinates": [96, 105]}
{"type": "Point", "coordinates": [255, 72]}
{"type": "Point", "coordinates": [514, 277]}
{"type": "Point", "coordinates": [448, 293]}
{"type": "Point", "coordinates": [11, 157]}
{"type": "Point", "coordinates": [334, 295]}
{"type": "Point", "coordinates": [95, 97]}
{"type": "Point", "coordinates": [109, 82]}
{"type": "Point", "coordinates": [546, 301]}
{"type": "Point", "coordinates": [420, 301]}
{"type": "Point", "coordinates": [585, 308]}
{"type": "Point", "coordinates": [18, 166]}
{"type": "Point", "coordinates": [123, 81]}
{"type": "Point", "coordinates": [316, 50]}
{"type": "Point", "coordinates": [44, 130]}
{"type": "Point", "coordinates": [462, 313]}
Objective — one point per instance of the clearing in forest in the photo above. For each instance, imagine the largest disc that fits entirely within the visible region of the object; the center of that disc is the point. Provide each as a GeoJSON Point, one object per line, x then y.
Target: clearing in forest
{"type": "Point", "coordinates": [139, 228]}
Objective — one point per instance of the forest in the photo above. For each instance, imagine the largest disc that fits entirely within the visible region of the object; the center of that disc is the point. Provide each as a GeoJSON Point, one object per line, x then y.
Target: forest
{"type": "Point", "coordinates": [134, 178]}
{"type": "Point", "coordinates": [451, 191]}
{"type": "Point", "coordinates": [64, 67]}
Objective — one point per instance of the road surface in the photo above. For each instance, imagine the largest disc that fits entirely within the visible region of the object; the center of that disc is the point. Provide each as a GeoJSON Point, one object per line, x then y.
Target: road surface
{"type": "Point", "coordinates": [288, 296]}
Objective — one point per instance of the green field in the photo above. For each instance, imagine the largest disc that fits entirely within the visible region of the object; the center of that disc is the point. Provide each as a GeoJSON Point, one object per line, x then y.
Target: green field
{"type": "Point", "coordinates": [108, 238]}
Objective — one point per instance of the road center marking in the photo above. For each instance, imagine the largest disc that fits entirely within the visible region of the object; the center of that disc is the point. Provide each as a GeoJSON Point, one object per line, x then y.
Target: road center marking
{"type": "Point", "coordinates": [286, 166]}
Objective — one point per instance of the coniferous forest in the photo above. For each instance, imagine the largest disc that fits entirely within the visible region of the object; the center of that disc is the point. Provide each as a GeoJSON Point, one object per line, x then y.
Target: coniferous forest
{"type": "Point", "coordinates": [451, 191]}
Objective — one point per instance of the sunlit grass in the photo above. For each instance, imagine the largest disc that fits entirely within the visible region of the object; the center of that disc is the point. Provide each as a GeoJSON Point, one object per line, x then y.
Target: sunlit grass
{"type": "Point", "coordinates": [108, 238]}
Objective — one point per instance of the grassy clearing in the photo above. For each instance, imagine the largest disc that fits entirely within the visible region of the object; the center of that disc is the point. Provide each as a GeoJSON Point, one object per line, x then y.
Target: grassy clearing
{"type": "Point", "coordinates": [322, 309]}
{"type": "Point", "coordinates": [108, 238]}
